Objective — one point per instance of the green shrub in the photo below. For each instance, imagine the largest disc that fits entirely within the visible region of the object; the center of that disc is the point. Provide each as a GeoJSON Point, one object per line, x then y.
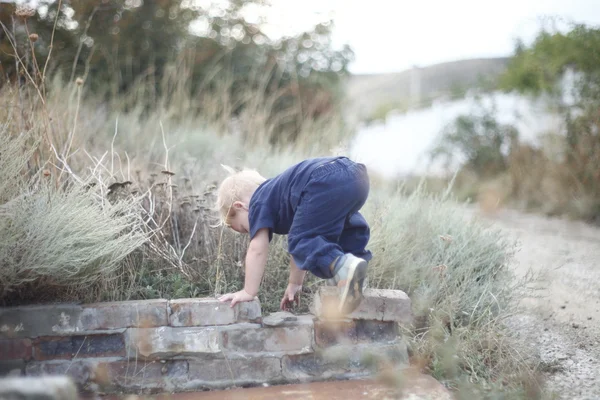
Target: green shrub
{"type": "Point", "coordinates": [478, 141]}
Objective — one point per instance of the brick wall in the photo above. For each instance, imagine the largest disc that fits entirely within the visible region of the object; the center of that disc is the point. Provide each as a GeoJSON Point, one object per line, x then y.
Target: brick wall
{"type": "Point", "coordinates": [196, 344]}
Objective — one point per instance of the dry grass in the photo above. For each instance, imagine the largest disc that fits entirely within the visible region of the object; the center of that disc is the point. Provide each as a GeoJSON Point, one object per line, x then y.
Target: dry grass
{"type": "Point", "coordinates": [120, 204]}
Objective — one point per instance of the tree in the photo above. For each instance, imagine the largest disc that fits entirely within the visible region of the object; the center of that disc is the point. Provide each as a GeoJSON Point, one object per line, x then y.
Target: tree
{"type": "Point", "coordinates": [215, 52]}
{"type": "Point", "coordinates": [480, 139]}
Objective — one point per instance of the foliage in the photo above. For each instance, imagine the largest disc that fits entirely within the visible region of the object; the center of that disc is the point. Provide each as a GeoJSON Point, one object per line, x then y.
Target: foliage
{"type": "Point", "coordinates": [565, 68]}
{"type": "Point", "coordinates": [541, 67]}
{"type": "Point", "coordinates": [147, 220]}
{"type": "Point", "coordinates": [479, 139]}
{"type": "Point", "coordinates": [124, 47]}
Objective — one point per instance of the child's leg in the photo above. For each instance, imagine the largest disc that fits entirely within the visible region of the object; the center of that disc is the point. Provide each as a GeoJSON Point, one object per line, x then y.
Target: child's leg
{"type": "Point", "coordinates": [333, 192]}
{"type": "Point", "coordinates": [355, 236]}
{"type": "Point", "coordinates": [354, 239]}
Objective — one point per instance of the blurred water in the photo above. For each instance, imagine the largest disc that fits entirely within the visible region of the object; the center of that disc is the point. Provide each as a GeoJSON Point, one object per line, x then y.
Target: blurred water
{"type": "Point", "coordinates": [400, 146]}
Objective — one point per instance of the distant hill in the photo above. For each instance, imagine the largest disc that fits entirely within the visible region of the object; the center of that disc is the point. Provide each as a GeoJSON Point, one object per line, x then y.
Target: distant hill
{"type": "Point", "coordinates": [368, 93]}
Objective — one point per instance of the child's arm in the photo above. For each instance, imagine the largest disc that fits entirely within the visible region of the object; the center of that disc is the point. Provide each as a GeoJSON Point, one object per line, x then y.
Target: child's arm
{"type": "Point", "coordinates": [296, 274]}
{"type": "Point", "coordinates": [256, 259]}
{"type": "Point", "coordinates": [291, 294]}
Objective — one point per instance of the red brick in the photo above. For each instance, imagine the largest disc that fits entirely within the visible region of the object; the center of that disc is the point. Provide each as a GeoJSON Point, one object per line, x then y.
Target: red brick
{"type": "Point", "coordinates": [15, 349]}
{"type": "Point", "coordinates": [52, 348]}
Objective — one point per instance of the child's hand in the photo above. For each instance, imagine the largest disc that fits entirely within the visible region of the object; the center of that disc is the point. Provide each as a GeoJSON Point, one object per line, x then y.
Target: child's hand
{"type": "Point", "coordinates": [291, 296]}
{"type": "Point", "coordinates": [237, 297]}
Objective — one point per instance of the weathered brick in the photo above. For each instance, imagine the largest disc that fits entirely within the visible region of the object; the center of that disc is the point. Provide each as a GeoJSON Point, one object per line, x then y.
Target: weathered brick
{"type": "Point", "coordinates": [200, 312]}
{"type": "Point", "coordinates": [211, 312]}
{"type": "Point", "coordinates": [154, 343]}
{"type": "Point", "coordinates": [376, 331]}
{"type": "Point", "coordinates": [34, 321]}
{"type": "Point", "coordinates": [82, 372]}
{"type": "Point", "coordinates": [316, 367]}
{"type": "Point", "coordinates": [330, 333]}
{"type": "Point", "coordinates": [279, 318]}
{"type": "Point", "coordinates": [398, 307]}
{"type": "Point", "coordinates": [221, 373]}
{"type": "Point", "coordinates": [342, 362]}
{"type": "Point", "coordinates": [15, 349]}
{"type": "Point", "coordinates": [59, 347]}
{"type": "Point", "coordinates": [128, 376]}
{"type": "Point", "coordinates": [124, 314]}
{"type": "Point", "coordinates": [378, 304]}
{"type": "Point", "coordinates": [248, 311]}
{"type": "Point", "coordinates": [248, 338]}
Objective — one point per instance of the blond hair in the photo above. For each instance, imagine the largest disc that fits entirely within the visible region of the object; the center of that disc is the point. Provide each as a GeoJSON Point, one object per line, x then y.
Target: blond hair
{"type": "Point", "coordinates": [238, 186]}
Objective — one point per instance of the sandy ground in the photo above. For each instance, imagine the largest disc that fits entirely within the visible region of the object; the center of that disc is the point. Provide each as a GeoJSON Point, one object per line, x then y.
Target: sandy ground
{"type": "Point", "coordinates": [562, 321]}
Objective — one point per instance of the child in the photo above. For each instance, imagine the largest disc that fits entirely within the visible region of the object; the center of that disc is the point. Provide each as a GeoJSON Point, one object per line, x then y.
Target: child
{"type": "Point", "coordinates": [316, 203]}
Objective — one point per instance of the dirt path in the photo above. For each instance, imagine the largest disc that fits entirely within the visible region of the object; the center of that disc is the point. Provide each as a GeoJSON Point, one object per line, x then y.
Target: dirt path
{"type": "Point", "coordinates": [563, 319]}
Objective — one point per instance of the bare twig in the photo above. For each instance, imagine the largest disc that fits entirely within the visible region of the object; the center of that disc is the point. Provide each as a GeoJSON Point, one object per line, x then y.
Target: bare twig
{"type": "Point", "coordinates": [87, 26]}
{"type": "Point", "coordinates": [72, 133]}
{"type": "Point", "coordinates": [112, 147]}
{"type": "Point", "coordinates": [50, 47]}
{"type": "Point", "coordinates": [13, 43]}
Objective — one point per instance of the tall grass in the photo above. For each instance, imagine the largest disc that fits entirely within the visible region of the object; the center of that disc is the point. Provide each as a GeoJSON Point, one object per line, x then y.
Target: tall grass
{"type": "Point", "coordinates": [113, 202]}
{"type": "Point", "coordinates": [456, 270]}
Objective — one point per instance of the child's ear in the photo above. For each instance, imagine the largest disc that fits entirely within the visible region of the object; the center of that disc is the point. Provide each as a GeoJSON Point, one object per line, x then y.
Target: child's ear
{"type": "Point", "coordinates": [238, 205]}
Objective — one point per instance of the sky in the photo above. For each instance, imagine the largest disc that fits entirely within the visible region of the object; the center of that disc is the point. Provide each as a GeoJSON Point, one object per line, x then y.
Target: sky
{"type": "Point", "coordinates": [394, 35]}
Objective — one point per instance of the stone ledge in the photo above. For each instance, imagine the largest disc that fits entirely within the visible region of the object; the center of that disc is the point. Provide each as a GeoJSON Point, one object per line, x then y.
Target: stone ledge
{"type": "Point", "coordinates": [124, 314]}
{"type": "Point", "coordinates": [191, 344]}
{"type": "Point", "coordinates": [211, 312]}
{"type": "Point", "coordinates": [246, 339]}
{"type": "Point", "coordinates": [33, 321]}
{"type": "Point", "coordinates": [69, 319]}
{"type": "Point", "coordinates": [378, 304]}
{"type": "Point", "coordinates": [169, 342]}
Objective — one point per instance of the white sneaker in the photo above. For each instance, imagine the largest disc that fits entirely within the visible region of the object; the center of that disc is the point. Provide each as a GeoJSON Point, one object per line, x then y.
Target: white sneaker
{"type": "Point", "coordinates": [350, 273]}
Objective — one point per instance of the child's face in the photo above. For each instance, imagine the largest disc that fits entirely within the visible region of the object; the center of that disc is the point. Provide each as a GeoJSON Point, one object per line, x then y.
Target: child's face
{"type": "Point", "coordinates": [239, 222]}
